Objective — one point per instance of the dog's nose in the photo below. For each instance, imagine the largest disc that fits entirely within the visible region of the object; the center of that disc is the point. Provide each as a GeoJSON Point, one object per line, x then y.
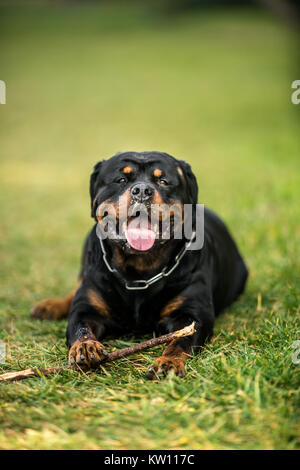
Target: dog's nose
{"type": "Point", "coordinates": [141, 192]}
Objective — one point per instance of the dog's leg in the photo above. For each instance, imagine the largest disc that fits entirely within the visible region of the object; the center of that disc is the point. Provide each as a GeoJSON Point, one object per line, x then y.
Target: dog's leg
{"type": "Point", "coordinates": [87, 325]}
{"type": "Point", "coordinates": [54, 309]}
{"type": "Point", "coordinates": [174, 357]}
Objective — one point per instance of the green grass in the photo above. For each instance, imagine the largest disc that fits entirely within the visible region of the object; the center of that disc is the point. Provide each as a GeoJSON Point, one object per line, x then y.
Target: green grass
{"type": "Point", "coordinates": [212, 88]}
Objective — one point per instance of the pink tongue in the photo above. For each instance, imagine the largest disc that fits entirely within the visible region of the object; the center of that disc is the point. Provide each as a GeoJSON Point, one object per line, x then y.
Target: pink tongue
{"type": "Point", "coordinates": [139, 238]}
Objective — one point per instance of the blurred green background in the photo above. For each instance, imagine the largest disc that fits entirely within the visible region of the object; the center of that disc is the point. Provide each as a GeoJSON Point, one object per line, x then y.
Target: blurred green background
{"type": "Point", "coordinates": [211, 86]}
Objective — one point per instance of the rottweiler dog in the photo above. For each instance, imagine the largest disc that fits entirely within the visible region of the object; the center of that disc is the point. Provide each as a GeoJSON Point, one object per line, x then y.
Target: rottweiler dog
{"type": "Point", "coordinates": [140, 281]}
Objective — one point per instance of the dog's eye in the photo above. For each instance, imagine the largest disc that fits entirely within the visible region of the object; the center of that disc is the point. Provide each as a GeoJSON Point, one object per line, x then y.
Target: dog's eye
{"type": "Point", "coordinates": [163, 182]}
{"type": "Point", "coordinates": [121, 180]}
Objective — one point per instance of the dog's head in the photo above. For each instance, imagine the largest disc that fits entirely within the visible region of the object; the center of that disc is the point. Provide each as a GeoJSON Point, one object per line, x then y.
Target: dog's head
{"type": "Point", "coordinates": [138, 197]}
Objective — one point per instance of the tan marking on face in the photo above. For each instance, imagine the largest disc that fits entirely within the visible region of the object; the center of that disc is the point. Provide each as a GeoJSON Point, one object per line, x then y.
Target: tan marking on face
{"type": "Point", "coordinates": [171, 306]}
{"type": "Point", "coordinates": [157, 199]}
{"type": "Point", "coordinates": [105, 208]}
{"type": "Point", "coordinates": [127, 170]}
{"type": "Point", "coordinates": [98, 303]}
{"type": "Point", "coordinates": [157, 173]}
{"type": "Point", "coordinates": [162, 211]}
{"type": "Point", "coordinates": [123, 204]}
{"type": "Point", "coordinates": [177, 210]}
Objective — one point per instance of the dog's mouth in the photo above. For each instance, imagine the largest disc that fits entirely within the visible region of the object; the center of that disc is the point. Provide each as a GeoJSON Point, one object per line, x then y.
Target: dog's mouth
{"type": "Point", "coordinates": [140, 234]}
{"type": "Point", "coordinates": [140, 229]}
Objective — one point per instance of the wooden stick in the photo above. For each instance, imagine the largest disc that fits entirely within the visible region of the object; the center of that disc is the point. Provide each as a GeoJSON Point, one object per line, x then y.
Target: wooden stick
{"type": "Point", "coordinates": [151, 343]}
{"type": "Point", "coordinates": [27, 373]}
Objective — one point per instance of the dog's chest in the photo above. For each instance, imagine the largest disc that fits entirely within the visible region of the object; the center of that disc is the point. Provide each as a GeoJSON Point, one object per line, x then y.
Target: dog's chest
{"type": "Point", "coordinates": [139, 312]}
{"type": "Point", "coordinates": [145, 315]}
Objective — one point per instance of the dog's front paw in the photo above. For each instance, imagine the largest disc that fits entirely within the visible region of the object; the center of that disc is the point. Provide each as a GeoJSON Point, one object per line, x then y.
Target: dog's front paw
{"type": "Point", "coordinates": [87, 354]}
{"type": "Point", "coordinates": [164, 365]}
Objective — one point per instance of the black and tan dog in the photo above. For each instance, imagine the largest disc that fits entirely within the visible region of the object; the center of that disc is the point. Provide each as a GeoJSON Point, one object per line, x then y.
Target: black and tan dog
{"type": "Point", "coordinates": [107, 300]}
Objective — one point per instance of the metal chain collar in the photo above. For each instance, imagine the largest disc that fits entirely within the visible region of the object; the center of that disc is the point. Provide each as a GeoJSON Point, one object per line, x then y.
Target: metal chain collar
{"type": "Point", "coordinates": [142, 284]}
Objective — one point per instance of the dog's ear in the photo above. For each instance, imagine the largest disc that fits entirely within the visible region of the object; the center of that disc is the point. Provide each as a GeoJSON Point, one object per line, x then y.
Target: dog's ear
{"type": "Point", "coordinates": [189, 181]}
{"type": "Point", "coordinates": [93, 185]}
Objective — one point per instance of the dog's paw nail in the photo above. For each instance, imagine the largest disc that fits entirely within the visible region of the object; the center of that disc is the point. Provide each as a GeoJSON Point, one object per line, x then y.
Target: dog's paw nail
{"type": "Point", "coordinates": [82, 357]}
{"type": "Point", "coordinates": [92, 356]}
